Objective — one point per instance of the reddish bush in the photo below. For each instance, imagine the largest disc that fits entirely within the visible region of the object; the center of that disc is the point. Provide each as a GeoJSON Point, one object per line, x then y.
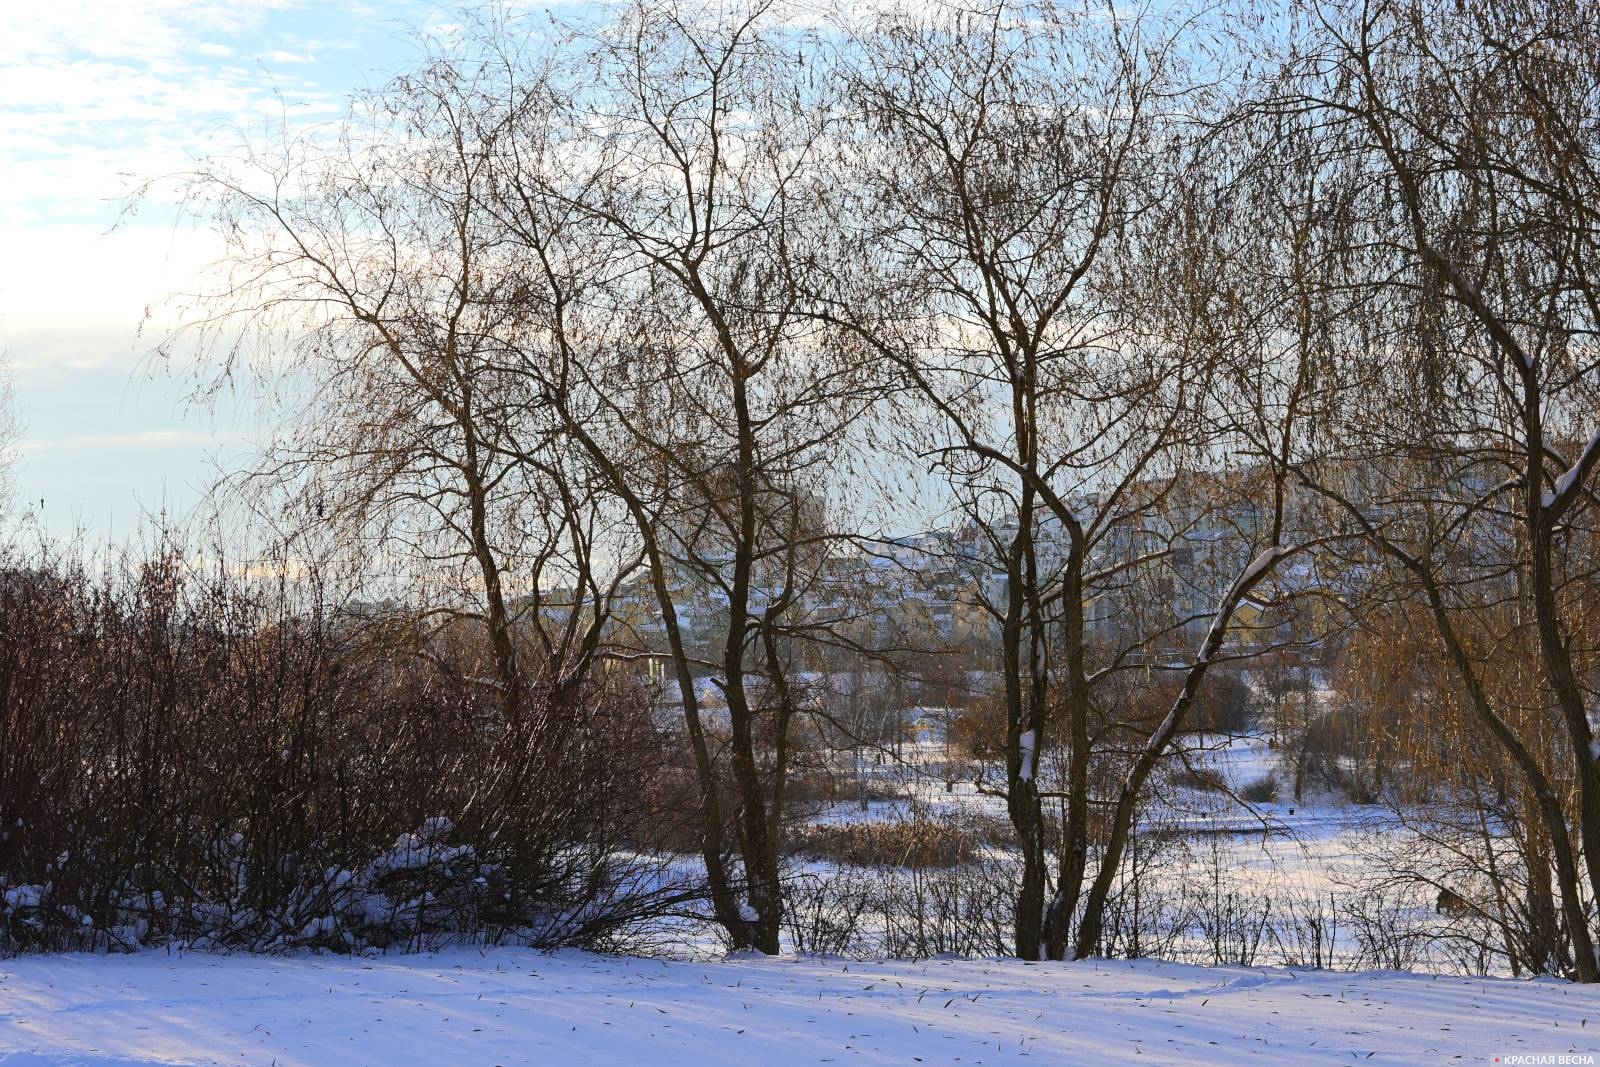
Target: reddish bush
{"type": "Point", "coordinates": [218, 764]}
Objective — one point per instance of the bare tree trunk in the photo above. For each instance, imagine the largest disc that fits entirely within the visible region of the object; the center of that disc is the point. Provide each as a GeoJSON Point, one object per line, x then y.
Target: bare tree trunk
{"type": "Point", "coordinates": [1090, 925]}
{"type": "Point", "coordinates": [724, 902]}
{"type": "Point", "coordinates": [496, 618]}
{"type": "Point", "coordinates": [1554, 649]}
{"type": "Point", "coordinates": [1549, 805]}
{"type": "Point", "coordinates": [1075, 837]}
{"type": "Point", "coordinates": [1023, 736]}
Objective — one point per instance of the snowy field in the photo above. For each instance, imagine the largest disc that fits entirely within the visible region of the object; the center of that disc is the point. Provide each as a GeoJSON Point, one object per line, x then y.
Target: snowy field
{"type": "Point", "coordinates": [514, 1007]}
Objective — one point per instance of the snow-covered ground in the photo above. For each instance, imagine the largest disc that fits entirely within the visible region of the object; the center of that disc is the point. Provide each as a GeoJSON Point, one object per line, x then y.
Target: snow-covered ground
{"type": "Point", "coordinates": [1225, 879]}
{"type": "Point", "coordinates": [516, 1007]}
{"type": "Point", "coordinates": [927, 778]}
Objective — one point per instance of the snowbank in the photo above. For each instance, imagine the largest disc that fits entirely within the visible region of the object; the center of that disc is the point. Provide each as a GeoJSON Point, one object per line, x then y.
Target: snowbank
{"type": "Point", "coordinates": [516, 1007]}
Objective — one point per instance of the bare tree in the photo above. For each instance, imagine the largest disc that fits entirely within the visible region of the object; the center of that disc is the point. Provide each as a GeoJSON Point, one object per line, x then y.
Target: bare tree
{"type": "Point", "coordinates": [688, 363]}
{"type": "Point", "coordinates": [1022, 162]}
{"type": "Point", "coordinates": [1457, 144]}
{"type": "Point", "coordinates": [370, 282]}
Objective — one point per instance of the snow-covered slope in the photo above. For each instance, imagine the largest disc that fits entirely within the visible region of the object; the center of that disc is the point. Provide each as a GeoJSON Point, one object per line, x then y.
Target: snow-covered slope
{"type": "Point", "coordinates": [512, 1007]}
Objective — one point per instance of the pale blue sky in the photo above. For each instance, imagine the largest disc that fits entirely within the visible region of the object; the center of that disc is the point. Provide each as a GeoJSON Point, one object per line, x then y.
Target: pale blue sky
{"type": "Point", "coordinates": [95, 94]}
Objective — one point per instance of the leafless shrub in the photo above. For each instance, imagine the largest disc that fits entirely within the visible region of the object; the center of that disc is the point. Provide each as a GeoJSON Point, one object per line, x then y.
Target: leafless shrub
{"type": "Point", "coordinates": [916, 843]}
{"type": "Point", "coordinates": [1306, 933]}
{"type": "Point", "coordinates": [200, 760]}
{"type": "Point", "coordinates": [1263, 790]}
{"type": "Point", "coordinates": [1232, 925]}
{"type": "Point", "coordinates": [904, 912]}
{"type": "Point", "coordinates": [1385, 931]}
{"type": "Point", "coordinates": [1149, 917]}
{"type": "Point", "coordinates": [824, 914]}
{"type": "Point", "coordinates": [1203, 779]}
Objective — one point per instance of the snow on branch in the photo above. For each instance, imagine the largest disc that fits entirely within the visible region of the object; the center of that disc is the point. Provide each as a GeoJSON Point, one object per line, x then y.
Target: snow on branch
{"type": "Point", "coordinates": [1028, 749]}
{"type": "Point", "coordinates": [1566, 488]}
{"type": "Point", "coordinates": [1247, 579]}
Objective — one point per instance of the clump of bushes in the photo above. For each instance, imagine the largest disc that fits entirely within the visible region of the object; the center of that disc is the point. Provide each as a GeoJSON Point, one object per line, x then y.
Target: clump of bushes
{"type": "Point", "coordinates": [1201, 779]}
{"type": "Point", "coordinates": [220, 764]}
{"type": "Point", "coordinates": [905, 912]}
{"type": "Point", "coordinates": [1263, 790]}
{"type": "Point", "coordinates": [1226, 704]}
{"type": "Point", "coordinates": [909, 843]}
{"type": "Point", "coordinates": [979, 730]}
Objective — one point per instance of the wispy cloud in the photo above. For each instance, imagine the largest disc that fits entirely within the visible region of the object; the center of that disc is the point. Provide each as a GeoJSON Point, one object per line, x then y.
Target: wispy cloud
{"type": "Point", "coordinates": [96, 96]}
{"type": "Point", "coordinates": [141, 439]}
